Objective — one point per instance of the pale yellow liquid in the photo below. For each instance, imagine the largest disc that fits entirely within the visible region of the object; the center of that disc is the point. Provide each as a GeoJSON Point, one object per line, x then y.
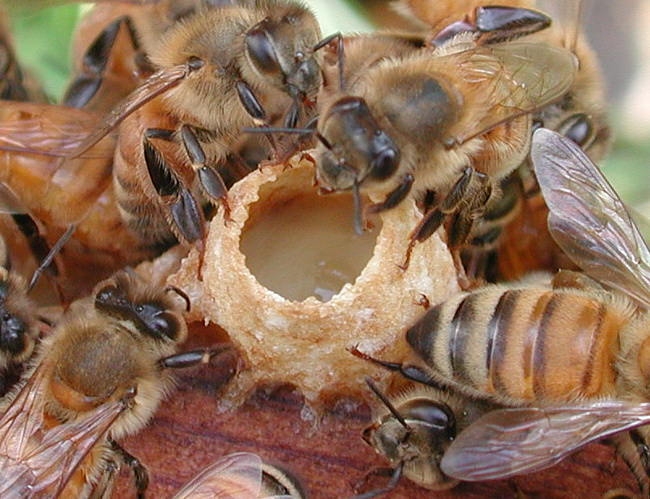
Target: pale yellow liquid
{"type": "Point", "coordinates": [307, 246]}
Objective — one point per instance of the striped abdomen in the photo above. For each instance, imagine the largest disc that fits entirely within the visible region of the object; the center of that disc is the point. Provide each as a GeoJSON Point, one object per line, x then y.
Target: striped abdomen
{"type": "Point", "coordinates": [530, 343]}
{"type": "Point", "coordinates": [144, 211]}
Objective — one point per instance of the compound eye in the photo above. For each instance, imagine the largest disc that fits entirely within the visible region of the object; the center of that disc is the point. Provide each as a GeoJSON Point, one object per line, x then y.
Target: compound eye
{"type": "Point", "coordinates": [158, 322]}
{"type": "Point", "coordinates": [108, 297]}
{"type": "Point", "coordinates": [435, 415]}
{"type": "Point", "coordinates": [384, 164]}
{"type": "Point", "coordinates": [12, 334]}
{"type": "Point", "coordinates": [577, 128]}
{"type": "Point", "coordinates": [261, 50]}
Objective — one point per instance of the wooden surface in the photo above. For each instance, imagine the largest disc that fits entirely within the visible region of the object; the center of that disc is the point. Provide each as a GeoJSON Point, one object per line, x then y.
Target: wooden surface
{"type": "Point", "coordinates": [188, 433]}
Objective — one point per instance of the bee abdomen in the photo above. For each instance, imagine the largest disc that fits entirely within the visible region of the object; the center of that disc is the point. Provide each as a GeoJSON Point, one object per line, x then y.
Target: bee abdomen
{"type": "Point", "coordinates": [522, 343]}
{"type": "Point", "coordinates": [140, 214]}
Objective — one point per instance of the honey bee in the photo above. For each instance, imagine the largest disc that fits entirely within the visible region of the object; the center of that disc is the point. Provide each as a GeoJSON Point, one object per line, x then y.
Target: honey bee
{"type": "Point", "coordinates": [100, 375]}
{"type": "Point", "coordinates": [510, 237]}
{"type": "Point", "coordinates": [242, 475]}
{"type": "Point", "coordinates": [444, 124]}
{"type": "Point", "coordinates": [218, 70]}
{"type": "Point", "coordinates": [580, 343]}
{"type": "Point", "coordinates": [62, 192]}
{"type": "Point", "coordinates": [413, 431]}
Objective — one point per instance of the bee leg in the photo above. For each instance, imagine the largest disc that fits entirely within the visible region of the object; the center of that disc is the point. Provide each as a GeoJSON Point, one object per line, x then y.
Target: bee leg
{"type": "Point", "coordinates": [188, 217]}
{"type": "Point", "coordinates": [194, 357]}
{"type": "Point", "coordinates": [430, 223]}
{"type": "Point", "coordinates": [507, 23]}
{"type": "Point", "coordinates": [409, 371]}
{"type": "Point", "coordinates": [95, 60]}
{"type": "Point", "coordinates": [394, 473]}
{"type": "Point", "coordinates": [466, 201]}
{"type": "Point", "coordinates": [104, 487]}
{"type": "Point", "coordinates": [458, 231]}
{"type": "Point", "coordinates": [47, 262]}
{"type": "Point", "coordinates": [292, 117]}
{"type": "Point", "coordinates": [481, 253]}
{"type": "Point", "coordinates": [140, 473]}
{"type": "Point", "coordinates": [337, 50]}
{"type": "Point", "coordinates": [211, 181]}
{"type": "Point", "coordinates": [472, 206]}
{"type": "Point", "coordinates": [433, 218]}
{"type": "Point", "coordinates": [631, 446]}
{"type": "Point", "coordinates": [494, 24]}
{"type": "Point", "coordinates": [394, 197]}
{"type": "Point", "coordinates": [186, 214]}
{"type": "Point", "coordinates": [37, 243]}
{"type": "Point", "coordinates": [254, 108]}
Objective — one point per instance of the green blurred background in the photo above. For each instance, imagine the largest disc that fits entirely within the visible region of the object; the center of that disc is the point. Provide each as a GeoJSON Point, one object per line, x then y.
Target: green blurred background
{"type": "Point", "coordinates": [615, 28]}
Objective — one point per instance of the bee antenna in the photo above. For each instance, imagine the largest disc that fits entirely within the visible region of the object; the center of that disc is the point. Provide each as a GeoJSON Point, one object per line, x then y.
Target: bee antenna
{"type": "Point", "coordinates": [180, 293]}
{"type": "Point", "coordinates": [389, 405]}
{"type": "Point", "coordinates": [358, 211]}
{"type": "Point", "coordinates": [50, 256]}
{"type": "Point", "coordinates": [323, 141]}
{"type": "Point", "coordinates": [339, 52]}
{"type": "Point", "coordinates": [273, 129]}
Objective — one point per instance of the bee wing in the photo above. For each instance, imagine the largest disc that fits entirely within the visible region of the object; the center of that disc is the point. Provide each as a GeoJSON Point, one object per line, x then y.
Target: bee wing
{"type": "Point", "coordinates": [48, 130]}
{"type": "Point", "coordinates": [55, 458]}
{"type": "Point", "coordinates": [23, 417]}
{"type": "Point", "coordinates": [508, 442]}
{"type": "Point", "coordinates": [513, 79]}
{"type": "Point", "coordinates": [157, 84]}
{"type": "Point", "coordinates": [235, 476]}
{"type": "Point", "coordinates": [587, 218]}
{"type": "Point", "coordinates": [35, 459]}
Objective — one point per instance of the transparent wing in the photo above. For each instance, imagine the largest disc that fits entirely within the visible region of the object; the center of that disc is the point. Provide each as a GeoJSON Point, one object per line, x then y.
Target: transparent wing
{"type": "Point", "coordinates": [587, 218]}
{"type": "Point", "coordinates": [54, 459]}
{"type": "Point", "coordinates": [512, 79]}
{"type": "Point", "coordinates": [48, 130]}
{"type": "Point", "coordinates": [157, 84]}
{"type": "Point", "coordinates": [22, 418]}
{"type": "Point", "coordinates": [508, 442]}
{"type": "Point", "coordinates": [42, 460]}
{"type": "Point", "coordinates": [235, 476]}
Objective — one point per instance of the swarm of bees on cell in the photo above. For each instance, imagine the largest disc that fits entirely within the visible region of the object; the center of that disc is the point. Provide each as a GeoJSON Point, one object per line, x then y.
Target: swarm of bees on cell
{"type": "Point", "coordinates": [483, 120]}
